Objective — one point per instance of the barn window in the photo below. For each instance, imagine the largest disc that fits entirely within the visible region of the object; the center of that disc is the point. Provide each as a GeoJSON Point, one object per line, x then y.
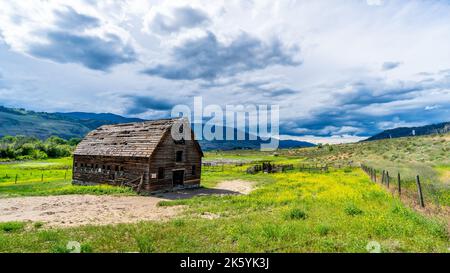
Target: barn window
{"type": "Point", "coordinates": [161, 173]}
{"type": "Point", "coordinates": [194, 170]}
{"type": "Point", "coordinates": [179, 156]}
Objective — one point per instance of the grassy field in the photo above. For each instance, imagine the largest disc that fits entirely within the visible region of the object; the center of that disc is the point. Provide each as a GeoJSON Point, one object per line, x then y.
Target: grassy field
{"type": "Point", "coordinates": [336, 211]}
{"type": "Point", "coordinates": [45, 177]}
{"type": "Point", "coordinates": [426, 156]}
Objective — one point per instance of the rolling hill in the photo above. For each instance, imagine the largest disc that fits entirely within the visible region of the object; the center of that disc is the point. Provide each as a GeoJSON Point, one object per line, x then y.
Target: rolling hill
{"type": "Point", "coordinates": [42, 125]}
{"type": "Point", "coordinates": [440, 128]}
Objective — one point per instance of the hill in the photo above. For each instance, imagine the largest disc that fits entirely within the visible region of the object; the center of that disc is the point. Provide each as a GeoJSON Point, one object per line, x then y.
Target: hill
{"type": "Point", "coordinates": [440, 128]}
{"type": "Point", "coordinates": [42, 125]}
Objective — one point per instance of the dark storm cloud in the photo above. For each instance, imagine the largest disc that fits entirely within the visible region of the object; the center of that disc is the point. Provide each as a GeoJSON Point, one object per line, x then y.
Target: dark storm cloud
{"type": "Point", "coordinates": [68, 43]}
{"type": "Point", "coordinates": [346, 112]}
{"type": "Point", "coordinates": [390, 65]}
{"type": "Point", "coordinates": [142, 104]}
{"type": "Point", "coordinates": [206, 58]}
{"type": "Point", "coordinates": [91, 51]}
{"type": "Point", "coordinates": [181, 17]}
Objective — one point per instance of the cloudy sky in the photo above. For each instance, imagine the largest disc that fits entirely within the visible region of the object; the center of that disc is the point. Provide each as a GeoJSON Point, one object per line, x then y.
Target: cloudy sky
{"type": "Point", "coordinates": [338, 69]}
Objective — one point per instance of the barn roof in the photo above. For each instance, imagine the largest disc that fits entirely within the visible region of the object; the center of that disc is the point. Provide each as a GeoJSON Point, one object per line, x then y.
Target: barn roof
{"type": "Point", "coordinates": [138, 139]}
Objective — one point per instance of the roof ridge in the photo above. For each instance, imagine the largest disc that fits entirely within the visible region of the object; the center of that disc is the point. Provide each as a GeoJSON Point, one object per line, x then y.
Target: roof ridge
{"type": "Point", "coordinates": [140, 122]}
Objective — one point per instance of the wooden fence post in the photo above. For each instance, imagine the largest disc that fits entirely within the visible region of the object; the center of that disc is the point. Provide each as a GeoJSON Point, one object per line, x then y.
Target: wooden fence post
{"type": "Point", "coordinates": [419, 189]}
{"type": "Point", "coordinates": [42, 177]}
{"type": "Point", "coordinates": [141, 182]}
{"type": "Point", "coordinates": [383, 177]}
{"type": "Point", "coordinates": [15, 182]}
{"type": "Point", "coordinates": [387, 179]}
{"type": "Point", "coordinates": [375, 176]}
{"type": "Point", "coordinates": [399, 184]}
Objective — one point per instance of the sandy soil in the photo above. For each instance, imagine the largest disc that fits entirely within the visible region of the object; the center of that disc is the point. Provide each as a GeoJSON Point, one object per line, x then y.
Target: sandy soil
{"type": "Point", "coordinates": [76, 210]}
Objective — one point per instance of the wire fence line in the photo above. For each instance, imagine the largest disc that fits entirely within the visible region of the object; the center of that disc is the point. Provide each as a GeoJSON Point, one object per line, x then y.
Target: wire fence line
{"type": "Point", "coordinates": [422, 193]}
{"type": "Point", "coordinates": [36, 176]}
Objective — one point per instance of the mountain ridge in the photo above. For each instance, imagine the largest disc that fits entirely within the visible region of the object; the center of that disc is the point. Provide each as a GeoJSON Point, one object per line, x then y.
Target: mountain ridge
{"type": "Point", "coordinates": [18, 121]}
{"type": "Point", "coordinates": [438, 128]}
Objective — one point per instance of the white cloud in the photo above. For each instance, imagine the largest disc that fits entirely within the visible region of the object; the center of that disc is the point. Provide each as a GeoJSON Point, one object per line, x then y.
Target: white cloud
{"type": "Point", "coordinates": [374, 2]}
{"type": "Point", "coordinates": [324, 140]}
{"type": "Point", "coordinates": [338, 89]}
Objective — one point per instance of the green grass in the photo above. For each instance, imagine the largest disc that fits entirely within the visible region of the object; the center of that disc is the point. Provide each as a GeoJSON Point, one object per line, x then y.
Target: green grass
{"type": "Point", "coordinates": [36, 171]}
{"type": "Point", "coordinates": [289, 212]}
{"type": "Point", "coordinates": [30, 182]}
{"type": "Point", "coordinates": [426, 156]}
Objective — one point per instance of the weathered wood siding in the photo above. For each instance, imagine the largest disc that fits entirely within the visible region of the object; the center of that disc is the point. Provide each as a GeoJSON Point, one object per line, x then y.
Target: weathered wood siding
{"type": "Point", "coordinates": [109, 170]}
{"type": "Point", "coordinates": [164, 156]}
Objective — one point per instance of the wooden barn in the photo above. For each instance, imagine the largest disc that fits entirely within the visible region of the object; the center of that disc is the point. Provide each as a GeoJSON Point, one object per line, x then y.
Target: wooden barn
{"type": "Point", "coordinates": [141, 155]}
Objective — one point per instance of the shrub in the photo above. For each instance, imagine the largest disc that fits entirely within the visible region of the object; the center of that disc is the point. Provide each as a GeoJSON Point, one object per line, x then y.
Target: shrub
{"type": "Point", "coordinates": [38, 225]}
{"type": "Point", "coordinates": [323, 230]}
{"type": "Point", "coordinates": [296, 214]}
{"type": "Point", "coordinates": [352, 210]}
{"type": "Point", "coordinates": [12, 226]}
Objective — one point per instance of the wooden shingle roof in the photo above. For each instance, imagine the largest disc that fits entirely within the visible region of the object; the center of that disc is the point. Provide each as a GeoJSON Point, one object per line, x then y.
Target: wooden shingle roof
{"type": "Point", "coordinates": [137, 139]}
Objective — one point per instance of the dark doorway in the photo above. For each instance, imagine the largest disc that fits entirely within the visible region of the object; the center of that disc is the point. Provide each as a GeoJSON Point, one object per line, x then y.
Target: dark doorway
{"type": "Point", "coordinates": [178, 178]}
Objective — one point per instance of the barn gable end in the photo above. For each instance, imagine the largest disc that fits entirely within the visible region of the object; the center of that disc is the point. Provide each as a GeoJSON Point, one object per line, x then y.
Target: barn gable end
{"type": "Point", "coordinates": [139, 155]}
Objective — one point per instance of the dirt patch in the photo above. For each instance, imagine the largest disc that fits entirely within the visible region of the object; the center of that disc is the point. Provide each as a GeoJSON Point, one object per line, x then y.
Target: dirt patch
{"type": "Point", "coordinates": [231, 187]}
{"type": "Point", "coordinates": [77, 210]}
{"type": "Point", "coordinates": [445, 176]}
{"type": "Point", "coordinates": [239, 186]}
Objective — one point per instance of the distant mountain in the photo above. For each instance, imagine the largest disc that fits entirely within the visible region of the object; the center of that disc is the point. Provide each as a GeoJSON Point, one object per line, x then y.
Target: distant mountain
{"type": "Point", "coordinates": [93, 120]}
{"type": "Point", "coordinates": [227, 145]}
{"type": "Point", "coordinates": [101, 117]}
{"type": "Point", "coordinates": [412, 131]}
{"type": "Point", "coordinates": [14, 121]}
{"type": "Point", "coordinates": [247, 144]}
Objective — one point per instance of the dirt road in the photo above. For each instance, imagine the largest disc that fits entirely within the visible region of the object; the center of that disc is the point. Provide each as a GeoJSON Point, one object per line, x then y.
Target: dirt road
{"type": "Point", "coordinates": [76, 210]}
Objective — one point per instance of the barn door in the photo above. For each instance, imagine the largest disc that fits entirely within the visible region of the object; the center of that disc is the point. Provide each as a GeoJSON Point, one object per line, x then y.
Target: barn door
{"type": "Point", "coordinates": [178, 177]}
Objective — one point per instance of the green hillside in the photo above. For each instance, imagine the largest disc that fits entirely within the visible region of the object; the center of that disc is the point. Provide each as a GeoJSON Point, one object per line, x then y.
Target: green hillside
{"type": "Point", "coordinates": [40, 125]}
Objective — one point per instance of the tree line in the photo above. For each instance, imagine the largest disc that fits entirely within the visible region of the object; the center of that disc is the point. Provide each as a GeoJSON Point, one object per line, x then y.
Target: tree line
{"type": "Point", "coordinates": [27, 148]}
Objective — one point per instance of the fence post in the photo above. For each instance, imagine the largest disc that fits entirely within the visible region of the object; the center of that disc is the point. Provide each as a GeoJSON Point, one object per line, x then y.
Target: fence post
{"type": "Point", "coordinates": [419, 189]}
{"type": "Point", "coordinates": [15, 182]}
{"type": "Point", "coordinates": [387, 179]}
{"type": "Point", "coordinates": [399, 184]}
{"type": "Point", "coordinates": [383, 177]}
{"type": "Point", "coordinates": [42, 177]}
{"type": "Point", "coordinates": [375, 176]}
